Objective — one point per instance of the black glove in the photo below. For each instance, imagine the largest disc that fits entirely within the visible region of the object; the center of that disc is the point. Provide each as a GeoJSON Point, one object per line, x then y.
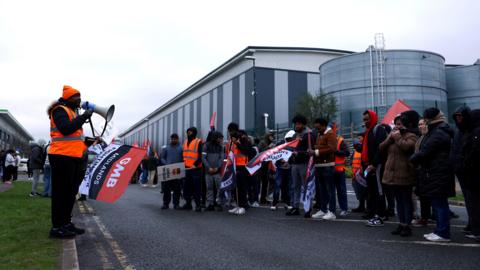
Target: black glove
{"type": "Point", "coordinates": [87, 114]}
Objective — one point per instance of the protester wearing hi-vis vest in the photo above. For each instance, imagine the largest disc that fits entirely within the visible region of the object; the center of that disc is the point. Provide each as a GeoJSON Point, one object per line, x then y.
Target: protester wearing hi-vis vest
{"type": "Point", "coordinates": [241, 147]}
{"type": "Point", "coordinates": [67, 156]}
{"type": "Point", "coordinates": [341, 155]}
{"type": "Point", "coordinates": [192, 157]}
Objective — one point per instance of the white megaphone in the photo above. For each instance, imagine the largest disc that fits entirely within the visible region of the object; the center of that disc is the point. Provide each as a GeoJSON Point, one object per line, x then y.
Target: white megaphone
{"type": "Point", "coordinates": [105, 112]}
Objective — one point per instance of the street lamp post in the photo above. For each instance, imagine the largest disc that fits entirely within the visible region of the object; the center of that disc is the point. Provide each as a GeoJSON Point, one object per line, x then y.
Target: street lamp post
{"type": "Point", "coordinates": [254, 92]}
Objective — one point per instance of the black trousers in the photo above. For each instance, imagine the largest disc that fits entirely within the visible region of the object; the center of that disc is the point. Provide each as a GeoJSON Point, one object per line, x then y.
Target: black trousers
{"type": "Point", "coordinates": [168, 187]}
{"type": "Point", "coordinates": [67, 174]}
{"type": "Point", "coordinates": [242, 181]}
{"type": "Point", "coordinates": [375, 201]}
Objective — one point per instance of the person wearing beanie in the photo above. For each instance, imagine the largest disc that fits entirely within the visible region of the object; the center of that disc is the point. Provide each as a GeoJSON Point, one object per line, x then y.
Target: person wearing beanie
{"type": "Point", "coordinates": [435, 173]}
{"type": "Point", "coordinates": [192, 157]}
{"type": "Point", "coordinates": [67, 157]}
{"type": "Point", "coordinates": [461, 118]}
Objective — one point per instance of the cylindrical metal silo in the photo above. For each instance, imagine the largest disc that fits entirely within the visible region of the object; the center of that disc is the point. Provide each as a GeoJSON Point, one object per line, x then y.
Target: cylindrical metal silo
{"type": "Point", "coordinates": [463, 85]}
{"type": "Point", "coordinates": [416, 77]}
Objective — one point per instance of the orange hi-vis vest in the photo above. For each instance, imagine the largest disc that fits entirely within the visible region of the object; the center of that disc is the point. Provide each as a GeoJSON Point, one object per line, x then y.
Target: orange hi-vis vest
{"type": "Point", "coordinates": [71, 145]}
{"type": "Point", "coordinates": [190, 152]}
{"type": "Point", "coordinates": [356, 162]}
{"type": "Point", "coordinates": [339, 161]}
{"type": "Point", "coordinates": [240, 159]}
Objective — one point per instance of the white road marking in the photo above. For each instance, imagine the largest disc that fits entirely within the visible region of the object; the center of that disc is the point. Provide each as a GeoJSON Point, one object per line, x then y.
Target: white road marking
{"type": "Point", "coordinates": [428, 243]}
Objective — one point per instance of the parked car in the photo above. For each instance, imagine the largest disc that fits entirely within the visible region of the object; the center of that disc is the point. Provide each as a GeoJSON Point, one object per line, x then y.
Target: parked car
{"type": "Point", "coordinates": [23, 167]}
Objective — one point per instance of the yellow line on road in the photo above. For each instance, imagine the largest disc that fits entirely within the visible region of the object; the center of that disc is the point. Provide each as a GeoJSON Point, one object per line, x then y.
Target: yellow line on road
{"type": "Point", "coordinates": [122, 258]}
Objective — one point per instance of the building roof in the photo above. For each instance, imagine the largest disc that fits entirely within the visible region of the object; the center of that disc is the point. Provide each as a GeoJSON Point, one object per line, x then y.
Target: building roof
{"type": "Point", "coordinates": [5, 114]}
{"type": "Point", "coordinates": [235, 59]}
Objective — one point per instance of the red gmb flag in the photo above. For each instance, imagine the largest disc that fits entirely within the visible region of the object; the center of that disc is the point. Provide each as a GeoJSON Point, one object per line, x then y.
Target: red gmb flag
{"type": "Point", "coordinates": [107, 177]}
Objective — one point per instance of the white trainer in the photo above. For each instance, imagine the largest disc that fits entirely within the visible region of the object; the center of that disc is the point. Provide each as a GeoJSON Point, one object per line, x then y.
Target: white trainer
{"type": "Point", "coordinates": [240, 211]}
{"type": "Point", "coordinates": [273, 207]}
{"type": "Point", "coordinates": [344, 213]}
{"type": "Point", "coordinates": [233, 210]}
{"type": "Point", "coordinates": [436, 238]}
{"type": "Point", "coordinates": [319, 214]}
{"type": "Point", "coordinates": [329, 216]}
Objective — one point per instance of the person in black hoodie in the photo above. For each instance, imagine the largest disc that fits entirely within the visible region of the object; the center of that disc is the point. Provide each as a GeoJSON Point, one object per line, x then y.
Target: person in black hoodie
{"type": "Point", "coordinates": [471, 154]}
{"type": "Point", "coordinates": [436, 178]}
{"type": "Point", "coordinates": [372, 163]}
{"type": "Point", "coordinates": [192, 157]}
{"type": "Point", "coordinates": [461, 117]}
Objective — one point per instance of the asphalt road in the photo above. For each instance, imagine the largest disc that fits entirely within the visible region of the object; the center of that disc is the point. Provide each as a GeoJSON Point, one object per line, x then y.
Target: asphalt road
{"type": "Point", "coordinates": [135, 233]}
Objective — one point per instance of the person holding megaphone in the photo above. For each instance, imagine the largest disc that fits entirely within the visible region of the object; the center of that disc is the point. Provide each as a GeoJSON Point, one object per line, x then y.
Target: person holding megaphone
{"type": "Point", "coordinates": [67, 156]}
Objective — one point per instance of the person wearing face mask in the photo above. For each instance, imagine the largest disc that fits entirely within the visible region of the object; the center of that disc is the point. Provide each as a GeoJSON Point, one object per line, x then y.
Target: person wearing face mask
{"type": "Point", "coordinates": [399, 173]}
{"type": "Point", "coordinates": [67, 156]}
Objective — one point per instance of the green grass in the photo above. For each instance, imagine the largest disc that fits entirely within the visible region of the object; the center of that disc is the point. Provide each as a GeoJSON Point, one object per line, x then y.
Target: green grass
{"type": "Point", "coordinates": [459, 197]}
{"type": "Point", "coordinates": [24, 226]}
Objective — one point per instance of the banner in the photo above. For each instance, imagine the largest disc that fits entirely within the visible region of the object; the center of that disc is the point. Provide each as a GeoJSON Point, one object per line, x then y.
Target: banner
{"type": "Point", "coordinates": [228, 181]}
{"type": "Point", "coordinates": [107, 177]}
{"type": "Point", "coordinates": [171, 172]}
{"type": "Point", "coordinates": [308, 189]}
{"type": "Point", "coordinates": [274, 154]}
{"type": "Point", "coordinates": [397, 108]}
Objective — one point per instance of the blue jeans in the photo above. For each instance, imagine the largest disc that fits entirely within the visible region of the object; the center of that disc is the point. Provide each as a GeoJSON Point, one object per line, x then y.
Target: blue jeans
{"type": "Point", "coordinates": [192, 186]}
{"type": "Point", "coordinates": [442, 210]}
{"type": "Point", "coordinates": [326, 182]}
{"type": "Point", "coordinates": [298, 177]}
{"type": "Point", "coordinates": [144, 178]}
{"type": "Point", "coordinates": [283, 180]}
{"type": "Point", "coordinates": [47, 171]}
{"type": "Point", "coordinates": [341, 187]}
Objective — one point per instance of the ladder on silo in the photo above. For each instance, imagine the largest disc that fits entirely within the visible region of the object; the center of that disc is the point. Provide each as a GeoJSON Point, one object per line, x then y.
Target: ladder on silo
{"type": "Point", "coordinates": [380, 78]}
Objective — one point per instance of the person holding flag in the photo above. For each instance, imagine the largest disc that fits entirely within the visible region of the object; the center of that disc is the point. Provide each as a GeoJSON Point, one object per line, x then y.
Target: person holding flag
{"type": "Point", "coordinates": [192, 157]}
{"type": "Point", "coordinates": [240, 146]}
{"type": "Point", "coordinates": [325, 147]}
{"type": "Point", "coordinates": [300, 158]}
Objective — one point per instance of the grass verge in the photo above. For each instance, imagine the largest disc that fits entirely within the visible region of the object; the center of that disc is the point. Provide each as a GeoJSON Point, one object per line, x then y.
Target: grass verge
{"type": "Point", "coordinates": [24, 227]}
{"type": "Point", "coordinates": [458, 198]}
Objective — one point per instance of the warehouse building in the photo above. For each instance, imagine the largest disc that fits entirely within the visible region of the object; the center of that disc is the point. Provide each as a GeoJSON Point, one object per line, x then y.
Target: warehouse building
{"type": "Point", "coordinates": [260, 86]}
{"type": "Point", "coordinates": [257, 82]}
{"type": "Point", "coordinates": [12, 134]}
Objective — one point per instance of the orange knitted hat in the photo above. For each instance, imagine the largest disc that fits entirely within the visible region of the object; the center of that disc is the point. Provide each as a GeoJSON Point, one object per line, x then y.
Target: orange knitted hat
{"type": "Point", "coordinates": [69, 91]}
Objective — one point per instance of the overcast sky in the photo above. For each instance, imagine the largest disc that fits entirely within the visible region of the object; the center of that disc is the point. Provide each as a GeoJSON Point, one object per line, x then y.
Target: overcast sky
{"type": "Point", "coordinates": [139, 54]}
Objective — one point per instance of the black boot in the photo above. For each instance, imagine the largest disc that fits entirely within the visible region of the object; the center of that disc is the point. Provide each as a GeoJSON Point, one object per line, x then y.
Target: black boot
{"type": "Point", "coordinates": [398, 230]}
{"type": "Point", "coordinates": [187, 206]}
{"type": "Point", "coordinates": [407, 231]}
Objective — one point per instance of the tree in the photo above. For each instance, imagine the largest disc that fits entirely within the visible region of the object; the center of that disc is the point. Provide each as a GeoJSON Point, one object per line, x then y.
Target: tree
{"type": "Point", "coordinates": [317, 105]}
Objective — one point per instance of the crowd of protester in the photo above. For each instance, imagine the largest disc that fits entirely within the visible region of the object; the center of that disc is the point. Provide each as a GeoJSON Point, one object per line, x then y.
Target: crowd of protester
{"type": "Point", "coordinates": [393, 169]}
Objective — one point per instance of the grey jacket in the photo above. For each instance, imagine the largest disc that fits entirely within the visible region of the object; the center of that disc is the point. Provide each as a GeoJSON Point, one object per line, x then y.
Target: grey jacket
{"type": "Point", "coordinates": [171, 154]}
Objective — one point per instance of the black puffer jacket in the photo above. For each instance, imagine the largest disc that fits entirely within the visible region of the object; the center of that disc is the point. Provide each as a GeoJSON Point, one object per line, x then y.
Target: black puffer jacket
{"type": "Point", "coordinates": [471, 151]}
{"type": "Point", "coordinates": [459, 138]}
{"type": "Point", "coordinates": [435, 173]}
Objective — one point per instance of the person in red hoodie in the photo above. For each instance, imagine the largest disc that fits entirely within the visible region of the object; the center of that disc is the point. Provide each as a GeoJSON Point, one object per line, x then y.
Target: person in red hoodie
{"type": "Point", "coordinates": [372, 161]}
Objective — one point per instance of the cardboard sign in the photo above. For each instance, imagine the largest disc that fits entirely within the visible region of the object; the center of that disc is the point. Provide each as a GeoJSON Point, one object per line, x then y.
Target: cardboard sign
{"type": "Point", "coordinates": [171, 171]}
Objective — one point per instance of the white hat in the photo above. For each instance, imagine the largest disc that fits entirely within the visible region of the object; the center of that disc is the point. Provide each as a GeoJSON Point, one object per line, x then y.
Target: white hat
{"type": "Point", "coordinates": [290, 134]}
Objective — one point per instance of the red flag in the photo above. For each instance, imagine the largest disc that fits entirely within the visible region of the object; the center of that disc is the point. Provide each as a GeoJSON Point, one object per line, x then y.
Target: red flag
{"type": "Point", "coordinates": [108, 176]}
{"type": "Point", "coordinates": [397, 108]}
{"type": "Point", "coordinates": [212, 121]}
